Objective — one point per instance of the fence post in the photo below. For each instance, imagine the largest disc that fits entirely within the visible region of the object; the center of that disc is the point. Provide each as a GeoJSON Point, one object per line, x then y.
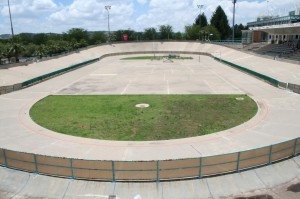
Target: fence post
{"type": "Point", "coordinates": [157, 171]}
{"type": "Point", "coordinates": [72, 169]}
{"type": "Point", "coordinates": [295, 147]}
{"type": "Point", "coordinates": [113, 171]}
{"type": "Point", "coordinates": [270, 154]}
{"type": "Point", "coordinates": [35, 164]}
{"type": "Point", "coordinates": [238, 162]}
{"type": "Point", "coordinates": [200, 168]}
{"type": "Point", "coordinates": [5, 159]}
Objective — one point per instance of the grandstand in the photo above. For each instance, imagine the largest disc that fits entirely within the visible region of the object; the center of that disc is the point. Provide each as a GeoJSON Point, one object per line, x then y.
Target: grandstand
{"type": "Point", "coordinates": [275, 36]}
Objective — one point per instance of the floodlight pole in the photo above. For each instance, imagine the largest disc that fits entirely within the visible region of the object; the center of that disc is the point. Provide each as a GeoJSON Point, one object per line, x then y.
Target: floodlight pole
{"type": "Point", "coordinates": [108, 8]}
{"type": "Point", "coordinates": [233, 18]}
{"type": "Point", "coordinates": [11, 25]}
{"type": "Point", "coordinates": [200, 7]}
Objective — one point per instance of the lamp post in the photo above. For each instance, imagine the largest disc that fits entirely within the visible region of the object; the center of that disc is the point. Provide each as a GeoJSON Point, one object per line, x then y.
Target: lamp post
{"type": "Point", "coordinates": [200, 7]}
{"type": "Point", "coordinates": [234, 2]}
{"type": "Point", "coordinates": [108, 8]}
{"type": "Point", "coordinates": [11, 25]}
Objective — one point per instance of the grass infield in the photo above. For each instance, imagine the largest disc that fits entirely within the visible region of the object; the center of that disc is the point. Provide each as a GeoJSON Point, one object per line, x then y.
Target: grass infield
{"type": "Point", "coordinates": [115, 117]}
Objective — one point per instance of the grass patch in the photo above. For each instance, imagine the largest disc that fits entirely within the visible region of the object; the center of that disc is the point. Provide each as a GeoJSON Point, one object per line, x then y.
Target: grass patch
{"type": "Point", "coordinates": [156, 58]}
{"type": "Point", "coordinates": [116, 117]}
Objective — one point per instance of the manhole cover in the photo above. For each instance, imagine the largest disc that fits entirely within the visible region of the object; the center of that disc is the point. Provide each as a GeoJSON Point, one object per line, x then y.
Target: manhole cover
{"type": "Point", "coordinates": [142, 105]}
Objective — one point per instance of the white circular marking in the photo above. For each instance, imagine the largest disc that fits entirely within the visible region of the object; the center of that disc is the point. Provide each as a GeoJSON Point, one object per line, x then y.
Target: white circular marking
{"type": "Point", "coordinates": [142, 105]}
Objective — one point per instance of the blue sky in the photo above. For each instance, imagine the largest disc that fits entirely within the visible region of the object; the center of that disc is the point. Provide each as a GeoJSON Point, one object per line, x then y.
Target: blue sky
{"type": "Point", "coordinates": [61, 15]}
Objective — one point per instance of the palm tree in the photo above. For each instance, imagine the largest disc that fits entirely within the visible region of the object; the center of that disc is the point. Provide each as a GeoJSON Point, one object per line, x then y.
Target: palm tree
{"type": "Point", "coordinates": [6, 53]}
{"type": "Point", "coordinates": [40, 52]}
{"type": "Point", "coordinates": [16, 48]}
{"type": "Point", "coordinates": [1, 53]}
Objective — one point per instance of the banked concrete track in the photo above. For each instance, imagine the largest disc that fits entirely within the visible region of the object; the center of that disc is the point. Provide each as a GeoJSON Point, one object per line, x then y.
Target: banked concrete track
{"type": "Point", "coordinates": [276, 121]}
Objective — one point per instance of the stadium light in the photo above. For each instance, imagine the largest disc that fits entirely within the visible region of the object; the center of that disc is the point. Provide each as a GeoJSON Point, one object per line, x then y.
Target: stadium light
{"type": "Point", "coordinates": [200, 7]}
{"type": "Point", "coordinates": [11, 25]}
{"type": "Point", "coordinates": [234, 2]}
{"type": "Point", "coordinates": [108, 8]}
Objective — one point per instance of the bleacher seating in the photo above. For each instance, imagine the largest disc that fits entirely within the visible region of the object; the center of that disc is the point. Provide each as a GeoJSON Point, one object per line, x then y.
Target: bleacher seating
{"type": "Point", "coordinates": [286, 50]}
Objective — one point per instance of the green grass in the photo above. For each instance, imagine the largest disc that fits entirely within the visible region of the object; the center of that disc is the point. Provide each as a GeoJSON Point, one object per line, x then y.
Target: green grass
{"type": "Point", "coordinates": [153, 57]}
{"type": "Point", "coordinates": [117, 118]}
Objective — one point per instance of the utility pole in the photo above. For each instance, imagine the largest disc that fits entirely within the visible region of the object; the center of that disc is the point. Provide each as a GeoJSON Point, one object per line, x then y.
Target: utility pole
{"type": "Point", "coordinates": [108, 8]}
{"type": "Point", "coordinates": [200, 7]}
{"type": "Point", "coordinates": [11, 25]}
{"type": "Point", "coordinates": [234, 2]}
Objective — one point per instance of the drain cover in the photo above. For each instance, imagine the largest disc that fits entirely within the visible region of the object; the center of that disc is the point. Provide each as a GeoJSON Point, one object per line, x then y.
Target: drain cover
{"type": "Point", "coordinates": [142, 105]}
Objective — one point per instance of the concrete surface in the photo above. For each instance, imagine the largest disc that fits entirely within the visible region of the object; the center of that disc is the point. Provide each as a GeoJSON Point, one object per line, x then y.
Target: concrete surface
{"type": "Point", "coordinates": [273, 180]}
{"type": "Point", "coordinates": [276, 121]}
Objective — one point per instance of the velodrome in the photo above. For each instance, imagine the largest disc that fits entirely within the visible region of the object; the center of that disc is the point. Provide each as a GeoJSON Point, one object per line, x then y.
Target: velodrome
{"type": "Point", "coordinates": [276, 121]}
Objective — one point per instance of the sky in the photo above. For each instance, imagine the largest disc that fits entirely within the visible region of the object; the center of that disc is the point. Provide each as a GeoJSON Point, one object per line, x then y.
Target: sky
{"type": "Point", "coordinates": [59, 16]}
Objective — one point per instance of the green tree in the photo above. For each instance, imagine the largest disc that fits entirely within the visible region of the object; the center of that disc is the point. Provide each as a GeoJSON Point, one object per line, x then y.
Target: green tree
{"type": "Point", "coordinates": [25, 38]}
{"type": "Point", "coordinates": [166, 31]}
{"type": "Point", "coordinates": [2, 53]}
{"type": "Point", "coordinates": [150, 34]}
{"type": "Point", "coordinates": [78, 34]}
{"type": "Point", "coordinates": [192, 32]}
{"type": "Point", "coordinates": [16, 48]}
{"type": "Point", "coordinates": [119, 35]}
{"type": "Point", "coordinates": [98, 38]}
{"type": "Point", "coordinates": [220, 21]}
{"type": "Point", "coordinates": [40, 38]}
{"type": "Point", "coordinates": [203, 20]}
{"type": "Point", "coordinates": [178, 36]}
{"type": "Point", "coordinates": [238, 30]}
{"type": "Point", "coordinates": [40, 51]}
{"type": "Point", "coordinates": [211, 33]}
{"type": "Point", "coordinates": [7, 53]}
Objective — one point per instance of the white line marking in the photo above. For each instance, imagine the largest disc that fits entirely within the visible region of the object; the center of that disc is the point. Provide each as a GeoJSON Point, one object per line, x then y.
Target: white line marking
{"type": "Point", "coordinates": [153, 68]}
{"type": "Point", "coordinates": [164, 76]}
{"type": "Point", "coordinates": [168, 87]}
{"type": "Point", "coordinates": [94, 195]}
{"type": "Point", "coordinates": [242, 58]}
{"type": "Point", "coordinates": [103, 74]}
{"type": "Point", "coordinates": [190, 69]}
{"type": "Point", "coordinates": [129, 83]}
{"type": "Point", "coordinates": [209, 86]}
{"type": "Point", "coordinates": [233, 86]}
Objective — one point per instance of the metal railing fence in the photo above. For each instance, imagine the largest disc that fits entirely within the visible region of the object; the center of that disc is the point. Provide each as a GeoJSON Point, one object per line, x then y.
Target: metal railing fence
{"type": "Point", "coordinates": [156, 170]}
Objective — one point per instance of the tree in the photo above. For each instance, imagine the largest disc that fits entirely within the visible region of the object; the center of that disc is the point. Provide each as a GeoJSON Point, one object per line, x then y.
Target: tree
{"type": "Point", "coordinates": [119, 35]}
{"type": "Point", "coordinates": [6, 53]}
{"type": "Point", "coordinates": [166, 31]}
{"type": "Point", "coordinates": [40, 51]}
{"type": "Point", "coordinates": [98, 38]}
{"type": "Point", "coordinates": [25, 38]}
{"type": "Point", "coordinates": [16, 48]}
{"type": "Point", "coordinates": [40, 38]}
{"type": "Point", "coordinates": [211, 33]}
{"type": "Point", "coordinates": [150, 34]}
{"type": "Point", "coordinates": [78, 34]}
{"type": "Point", "coordinates": [178, 36]}
{"type": "Point", "coordinates": [238, 30]}
{"type": "Point", "coordinates": [2, 53]}
{"type": "Point", "coordinates": [192, 32]}
{"type": "Point", "coordinates": [203, 20]}
{"type": "Point", "coordinates": [220, 21]}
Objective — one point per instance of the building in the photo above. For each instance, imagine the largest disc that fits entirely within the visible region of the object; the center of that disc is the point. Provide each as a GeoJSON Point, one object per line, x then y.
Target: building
{"type": "Point", "coordinates": [274, 29]}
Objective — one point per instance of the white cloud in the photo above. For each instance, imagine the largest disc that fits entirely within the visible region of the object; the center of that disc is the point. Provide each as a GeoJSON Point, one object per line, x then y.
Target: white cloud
{"type": "Point", "coordinates": [48, 16]}
{"type": "Point", "coordinates": [143, 2]}
{"type": "Point", "coordinates": [92, 14]}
